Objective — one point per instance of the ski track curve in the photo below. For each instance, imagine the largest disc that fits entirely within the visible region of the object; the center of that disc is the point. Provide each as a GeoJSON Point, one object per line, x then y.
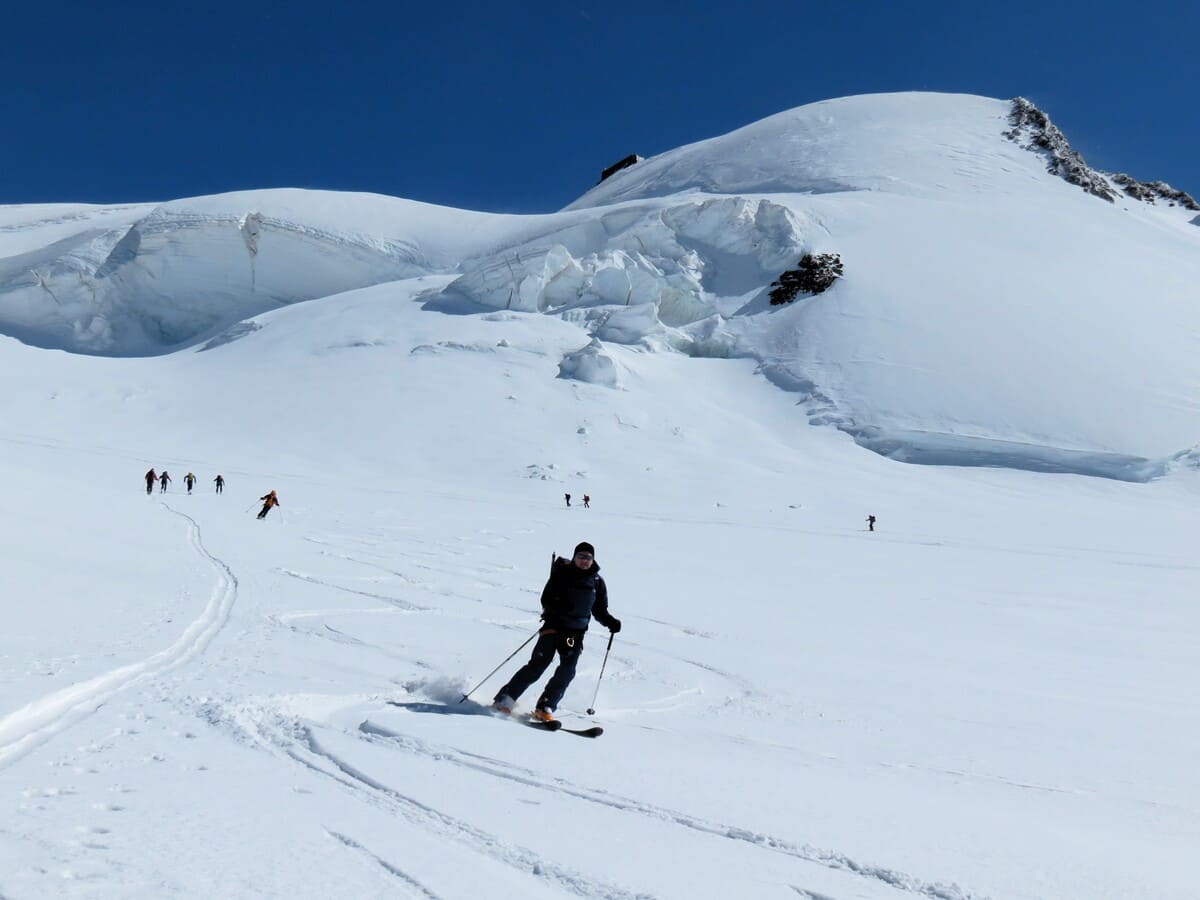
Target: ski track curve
{"type": "Point", "coordinates": [295, 739]}
{"type": "Point", "coordinates": [41, 719]}
{"type": "Point", "coordinates": [528, 778]}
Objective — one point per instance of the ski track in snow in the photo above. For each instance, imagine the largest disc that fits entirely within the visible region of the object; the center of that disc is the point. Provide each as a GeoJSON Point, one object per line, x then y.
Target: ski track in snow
{"type": "Point", "coordinates": [809, 895]}
{"type": "Point", "coordinates": [482, 575]}
{"type": "Point", "coordinates": [394, 601]}
{"type": "Point", "coordinates": [337, 636]}
{"type": "Point", "coordinates": [362, 562]}
{"type": "Point", "coordinates": [408, 880]}
{"type": "Point", "coordinates": [295, 740]}
{"type": "Point", "coordinates": [40, 720]}
{"type": "Point", "coordinates": [529, 778]}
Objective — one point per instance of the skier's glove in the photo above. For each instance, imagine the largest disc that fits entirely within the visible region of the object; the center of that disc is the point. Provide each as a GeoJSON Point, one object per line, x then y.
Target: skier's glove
{"type": "Point", "coordinates": [614, 624]}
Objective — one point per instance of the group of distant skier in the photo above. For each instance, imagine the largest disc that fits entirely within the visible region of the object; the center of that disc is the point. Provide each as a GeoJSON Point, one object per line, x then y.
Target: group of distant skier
{"type": "Point", "coordinates": [163, 479]}
{"type": "Point", "coordinates": [587, 501]}
{"type": "Point", "coordinates": [269, 500]}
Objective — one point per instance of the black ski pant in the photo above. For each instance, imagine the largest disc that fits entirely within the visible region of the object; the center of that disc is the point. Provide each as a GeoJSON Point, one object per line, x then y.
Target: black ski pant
{"type": "Point", "coordinates": [568, 645]}
{"type": "Point", "coordinates": [262, 513]}
{"type": "Point", "coordinates": [219, 487]}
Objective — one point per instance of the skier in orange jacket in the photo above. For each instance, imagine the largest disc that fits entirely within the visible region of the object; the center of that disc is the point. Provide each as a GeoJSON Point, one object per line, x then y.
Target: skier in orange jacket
{"type": "Point", "coordinates": [268, 500]}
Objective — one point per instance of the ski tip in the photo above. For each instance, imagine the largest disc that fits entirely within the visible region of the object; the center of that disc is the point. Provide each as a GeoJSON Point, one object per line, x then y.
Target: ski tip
{"type": "Point", "coordinates": [593, 732]}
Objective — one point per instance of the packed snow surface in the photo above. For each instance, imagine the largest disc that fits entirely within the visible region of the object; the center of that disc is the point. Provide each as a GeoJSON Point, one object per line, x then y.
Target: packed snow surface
{"type": "Point", "coordinates": [989, 696]}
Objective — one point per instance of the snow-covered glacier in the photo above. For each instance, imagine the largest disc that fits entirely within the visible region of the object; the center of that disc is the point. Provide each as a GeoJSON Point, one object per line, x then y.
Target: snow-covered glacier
{"type": "Point", "coordinates": [993, 311]}
{"type": "Point", "coordinates": [1001, 303]}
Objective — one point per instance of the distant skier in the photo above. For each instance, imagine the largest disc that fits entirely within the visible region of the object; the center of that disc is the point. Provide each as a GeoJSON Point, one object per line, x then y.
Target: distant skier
{"type": "Point", "coordinates": [587, 502]}
{"type": "Point", "coordinates": [151, 477]}
{"type": "Point", "coordinates": [189, 479]}
{"type": "Point", "coordinates": [220, 482]}
{"type": "Point", "coordinates": [164, 479]}
{"type": "Point", "coordinates": [573, 595]}
{"type": "Point", "coordinates": [268, 500]}
{"type": "Point", "coordinates": [870, 523]}
{"type": "Point", "coordinates": [567, 497]}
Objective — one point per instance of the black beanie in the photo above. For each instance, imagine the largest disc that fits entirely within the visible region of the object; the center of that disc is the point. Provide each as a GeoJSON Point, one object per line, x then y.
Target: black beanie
{"type": "Point", "coordinates": [584, 547]}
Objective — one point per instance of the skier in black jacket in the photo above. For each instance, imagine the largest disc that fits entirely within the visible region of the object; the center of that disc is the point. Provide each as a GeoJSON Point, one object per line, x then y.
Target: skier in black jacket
{"type": "Point", "coordinates": [573, 595]}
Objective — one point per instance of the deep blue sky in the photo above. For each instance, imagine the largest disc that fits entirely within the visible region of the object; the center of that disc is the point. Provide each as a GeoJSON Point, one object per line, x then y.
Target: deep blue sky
{"type": "Point", "coordinates": [517, 106]}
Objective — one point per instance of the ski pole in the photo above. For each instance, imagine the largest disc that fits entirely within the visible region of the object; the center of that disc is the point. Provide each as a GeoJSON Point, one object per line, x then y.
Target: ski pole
{"type": "Point", "coordinates": [497, 669]}
{"type": "Point", "coordinates": [592, 709]}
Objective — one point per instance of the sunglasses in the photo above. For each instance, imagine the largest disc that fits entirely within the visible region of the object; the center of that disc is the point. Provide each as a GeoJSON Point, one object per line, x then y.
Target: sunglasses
{"type": "Point", "coordinates": [584, 556]}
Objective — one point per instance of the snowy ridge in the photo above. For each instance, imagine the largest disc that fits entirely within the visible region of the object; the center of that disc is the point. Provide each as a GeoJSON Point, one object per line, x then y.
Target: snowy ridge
{"type": "Point", "coordinates": [1033, 129]}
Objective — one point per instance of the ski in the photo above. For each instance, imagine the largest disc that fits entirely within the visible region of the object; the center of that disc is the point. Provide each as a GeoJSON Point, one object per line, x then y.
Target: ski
{"type": "Point", "coordinates": [553, 725]}
{"type": "Point", "coordinates": [556, 725]}
{"type": "Point", "coordinates": [594, 732]}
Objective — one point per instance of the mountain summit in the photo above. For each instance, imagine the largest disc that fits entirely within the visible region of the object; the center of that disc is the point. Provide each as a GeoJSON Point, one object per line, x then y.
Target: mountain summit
{"type": "Point", "coordinates": [912, 143]}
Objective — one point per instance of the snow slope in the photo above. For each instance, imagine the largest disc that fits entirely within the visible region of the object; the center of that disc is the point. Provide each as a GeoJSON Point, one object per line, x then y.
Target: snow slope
{"type": "Point", "coordinates": [989, 697]}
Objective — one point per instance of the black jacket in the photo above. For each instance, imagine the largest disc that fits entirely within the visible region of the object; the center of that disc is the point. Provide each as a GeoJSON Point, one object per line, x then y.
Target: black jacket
{"type": "Point", "coordinates": [572, 596]}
